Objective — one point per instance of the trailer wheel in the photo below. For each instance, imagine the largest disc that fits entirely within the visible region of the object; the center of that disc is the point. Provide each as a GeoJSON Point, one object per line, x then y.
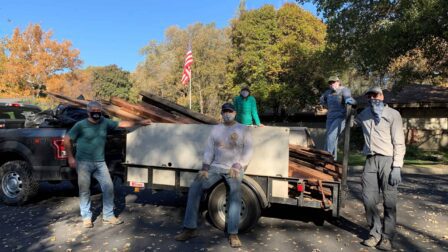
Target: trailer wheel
{"type": "Point", "coordinates": [17, 183]}
{"type": "Point", "coordinates": [217, 208]}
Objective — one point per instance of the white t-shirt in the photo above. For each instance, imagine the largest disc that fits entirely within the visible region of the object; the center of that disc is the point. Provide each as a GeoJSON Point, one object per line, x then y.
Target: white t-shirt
{"type": "Point", "coordinates": [228, 145]}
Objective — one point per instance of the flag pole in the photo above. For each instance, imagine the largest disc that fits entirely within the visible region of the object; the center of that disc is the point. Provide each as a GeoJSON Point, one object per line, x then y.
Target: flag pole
{"type": "Point", "coordinates": [189, 91]}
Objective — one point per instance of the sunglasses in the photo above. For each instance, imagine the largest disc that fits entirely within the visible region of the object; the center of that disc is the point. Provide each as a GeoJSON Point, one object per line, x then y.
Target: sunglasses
{"type": "Point", "coordinates": [227, 111]}
{"type": "Point", "coordinates": [372, 95]}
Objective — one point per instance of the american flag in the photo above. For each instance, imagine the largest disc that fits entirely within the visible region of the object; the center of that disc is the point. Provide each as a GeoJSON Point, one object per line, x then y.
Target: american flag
{"type": "Point", "coordinates": [186, 75]}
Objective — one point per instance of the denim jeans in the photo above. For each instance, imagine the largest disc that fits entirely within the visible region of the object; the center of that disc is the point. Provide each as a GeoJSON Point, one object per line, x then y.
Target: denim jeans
{"type": "Point", "coordinates": [334, 128]}
{"type": "Point", "coordinates": [198, 187]}
{"type": "Point", "coordinates": [99, 171]}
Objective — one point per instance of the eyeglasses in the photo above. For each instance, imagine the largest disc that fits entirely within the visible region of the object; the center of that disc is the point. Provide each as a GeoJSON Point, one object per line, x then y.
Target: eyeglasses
{"type": "Point", "coordinates": [227, 111]}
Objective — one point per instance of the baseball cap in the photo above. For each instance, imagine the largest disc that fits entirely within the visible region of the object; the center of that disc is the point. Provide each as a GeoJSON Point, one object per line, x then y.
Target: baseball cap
{"type": "Point", "coordinates": [227, 106]}
{"type": "Point", "coordinates": [375, 90]}
{"type": "Point", "coordinates": [333, 79]}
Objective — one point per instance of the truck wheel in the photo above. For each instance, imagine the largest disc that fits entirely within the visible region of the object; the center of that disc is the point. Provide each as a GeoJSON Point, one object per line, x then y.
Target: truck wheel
{"type": "Point", "coordinates": [217, 207]}
{"type": "Point", "coordinates": [17, 183]}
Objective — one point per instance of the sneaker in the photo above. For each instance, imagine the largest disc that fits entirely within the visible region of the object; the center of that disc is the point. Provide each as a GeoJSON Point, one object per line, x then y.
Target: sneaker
{"type": "Point", "coordinates": [187, 234]}
{"type": "Point", "coordinates": [113, 221]}
{"type": "Point", "coordinates": [234, 241]}
{"type": "Point", "coordinates": [385, 244]}
{"type": "Point", "coordinates": [371, 242]}
{"type": "Point", "coordinates": [87, 223]}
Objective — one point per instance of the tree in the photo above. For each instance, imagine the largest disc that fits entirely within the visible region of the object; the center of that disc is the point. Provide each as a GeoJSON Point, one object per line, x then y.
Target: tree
{"type": "Point", "coordinates": [371, 35]}
{"type": "Point", "coordinates": [110, 81]}
{"type": "Point", "coordinates": [277, 53]}
{"type": "Point", "coordinates": [161, 71]}
{"type": "Point", "coordinates": [32, 58]}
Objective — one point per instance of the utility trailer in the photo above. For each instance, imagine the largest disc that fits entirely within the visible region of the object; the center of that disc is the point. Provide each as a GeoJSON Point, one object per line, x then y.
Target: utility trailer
{"type": "Point", "coordinates": [165, 156]}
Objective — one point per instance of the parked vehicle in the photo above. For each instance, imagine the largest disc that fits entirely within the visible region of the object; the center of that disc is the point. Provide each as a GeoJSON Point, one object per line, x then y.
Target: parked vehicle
{"type": "Point", "coordinates": [31, 155]}
{"type": "Point", "coordinates": [12, 115]}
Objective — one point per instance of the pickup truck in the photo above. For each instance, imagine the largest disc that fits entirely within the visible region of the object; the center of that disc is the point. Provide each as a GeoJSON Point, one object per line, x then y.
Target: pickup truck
{"type": "Point", "coordinates": [31, 155]}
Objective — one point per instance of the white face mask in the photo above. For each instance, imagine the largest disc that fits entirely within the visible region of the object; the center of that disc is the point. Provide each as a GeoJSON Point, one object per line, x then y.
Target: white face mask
{"type": "Point", "coordinates": [245, 93]}
{"type": "Point", "coordinates": [228, 117]}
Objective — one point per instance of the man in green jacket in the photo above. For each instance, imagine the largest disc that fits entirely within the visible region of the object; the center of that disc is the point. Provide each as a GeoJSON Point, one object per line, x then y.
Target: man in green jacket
{"type": "Point", "coordinates": [246, 108]}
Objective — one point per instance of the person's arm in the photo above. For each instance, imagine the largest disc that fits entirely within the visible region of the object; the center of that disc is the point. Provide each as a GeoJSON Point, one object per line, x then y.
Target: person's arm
{"type": "Point", "coordinates": [130, 124]}
{"type": "Point", "coordinates": [398, 140]}
{"type": "Point", "coordinates": [347, 95]}
{"type": "Point", "coordinates": [323, 99]}
{"type": "Point", "coordinates": [254, 111]}
{"type": "Point", "coordinates": [70, 136]}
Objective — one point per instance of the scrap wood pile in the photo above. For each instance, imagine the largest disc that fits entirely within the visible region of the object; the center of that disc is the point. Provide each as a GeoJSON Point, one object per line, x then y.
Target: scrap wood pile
{"type": "Point", "coordinates": [308, 163]}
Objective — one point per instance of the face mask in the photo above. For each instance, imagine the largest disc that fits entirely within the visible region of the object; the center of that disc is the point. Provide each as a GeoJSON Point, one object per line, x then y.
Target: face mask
{"type": "Point", "coordinates": [377, 107]}
{"type": "Point", "coordinates": [95, 115]}
{"type": "Point", "coordinates": [228, 117]}
{"type": "Point", "coordinates": [245, 93]}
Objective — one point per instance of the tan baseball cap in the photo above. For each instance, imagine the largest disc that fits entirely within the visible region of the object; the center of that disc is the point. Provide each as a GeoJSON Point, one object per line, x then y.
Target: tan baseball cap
{"type": "Point", "coordinates": [333, 78]}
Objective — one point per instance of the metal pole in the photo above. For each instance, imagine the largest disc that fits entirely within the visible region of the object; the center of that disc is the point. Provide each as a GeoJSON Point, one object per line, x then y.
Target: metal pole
{"type": "Point", "coordinates": [348, 125]}
{"type": "Point", "coordinates": [189, 91]}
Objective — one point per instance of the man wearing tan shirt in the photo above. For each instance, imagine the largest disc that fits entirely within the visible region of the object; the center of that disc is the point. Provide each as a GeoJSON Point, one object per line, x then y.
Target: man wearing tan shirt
{"type": "Point", "coordinates": [385, 148]}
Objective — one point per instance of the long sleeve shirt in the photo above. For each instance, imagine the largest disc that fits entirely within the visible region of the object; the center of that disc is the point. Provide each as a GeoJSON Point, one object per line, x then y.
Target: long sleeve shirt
{"type": "Point", "coordinates": [246, 110]}
{"type": "Point", "coordinates": [334, 101]}
{"type": "Point", "coordinates": [228, 145]}
{"type": "Point", "coordinates": [386, 138]}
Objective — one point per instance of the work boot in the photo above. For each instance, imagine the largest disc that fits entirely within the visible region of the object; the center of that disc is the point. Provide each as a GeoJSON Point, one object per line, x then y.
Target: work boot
{"type": "Point", "coordinates": [234, 241]}
{"type": "Point", "coordinates": [371, 242]}
{"type": "Point", "coordinates": [113, 221]}
{"type": "Point", "coordinates": [385, 244]}
{"type": "Point", "coordinates": [186, 234]}
{"type": "Point", "coordinates": [87, 223]}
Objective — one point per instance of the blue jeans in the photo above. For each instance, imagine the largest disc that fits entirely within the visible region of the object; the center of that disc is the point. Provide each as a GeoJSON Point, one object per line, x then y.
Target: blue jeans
{"type": "Point", "coordinates": [198, 187]}
{"type": "Point", "coordinates": [99, 171]}
{"type": "Point", "coordinates": [334, 127]}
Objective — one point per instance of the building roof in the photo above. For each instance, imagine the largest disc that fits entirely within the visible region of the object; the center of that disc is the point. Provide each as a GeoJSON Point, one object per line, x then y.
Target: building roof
{"type": "Point", "coordinates": [415, 96]}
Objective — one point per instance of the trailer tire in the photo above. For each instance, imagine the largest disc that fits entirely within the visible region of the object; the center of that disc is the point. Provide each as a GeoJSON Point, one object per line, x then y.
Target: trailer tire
{"type": "Point", "coordinates": [17, 183]}
{"type": "Point", "coordinates": [250, 208]}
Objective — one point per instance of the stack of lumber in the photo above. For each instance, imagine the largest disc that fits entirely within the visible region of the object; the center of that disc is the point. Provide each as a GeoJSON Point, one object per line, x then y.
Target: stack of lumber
{"type": "Point", "coordinates": [313, 164]}
{"type": "Point", "coordinates": [306, 163]}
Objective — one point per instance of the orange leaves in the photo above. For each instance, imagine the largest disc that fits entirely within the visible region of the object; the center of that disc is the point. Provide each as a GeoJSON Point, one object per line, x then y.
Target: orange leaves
{"type": "Point", "coordinates": [31, 59]}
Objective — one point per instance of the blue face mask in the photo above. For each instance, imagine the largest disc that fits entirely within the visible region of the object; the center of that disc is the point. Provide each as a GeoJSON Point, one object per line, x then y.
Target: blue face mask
{"type": "Point", "coordinates": [377, 107]}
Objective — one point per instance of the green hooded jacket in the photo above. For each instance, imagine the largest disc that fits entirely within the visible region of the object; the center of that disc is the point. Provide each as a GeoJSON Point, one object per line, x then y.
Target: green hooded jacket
{"type": "Point", "coordinates": [246, 110]}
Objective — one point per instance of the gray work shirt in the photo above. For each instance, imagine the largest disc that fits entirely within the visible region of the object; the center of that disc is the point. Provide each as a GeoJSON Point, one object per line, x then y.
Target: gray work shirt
{"type": "Point", "coordinates": [386, 138]}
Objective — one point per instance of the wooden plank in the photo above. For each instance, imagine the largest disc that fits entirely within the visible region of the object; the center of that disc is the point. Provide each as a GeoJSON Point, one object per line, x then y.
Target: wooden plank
{"type": "Point", "coordinates": [179, 118]}
{"type": "Point", "coordinates": [306, 172]}
{"type": "Point", "coordinates": [138, 110]}
{"type": "Point", "coordinates": [120, 113]}
{"type": "Point", "coordinates": [171, 106]}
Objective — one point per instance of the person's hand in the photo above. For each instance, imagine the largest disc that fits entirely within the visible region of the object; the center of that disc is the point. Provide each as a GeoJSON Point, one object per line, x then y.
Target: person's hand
{"type": "Point", "coordinates": [145, 122]}
{"type": "Point", "coordinates": [395, 176]}
{"type": "Point", "coordinates": [234, 173]}
{"type": "Point", "coordinates": [260, 125]}
{"type": "Point", "coordinates": [350, 101]}
{"type": "Point", "coordinates": [203, 174]}
{"type": "Point", "coordinates": [72, 162]}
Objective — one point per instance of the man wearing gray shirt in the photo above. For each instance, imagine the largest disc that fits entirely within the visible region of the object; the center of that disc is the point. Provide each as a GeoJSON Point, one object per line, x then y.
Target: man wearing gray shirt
{"type": "Point", "coordinates": [226, 156]}
{"type": "Point", "coordinates": [385, 148]}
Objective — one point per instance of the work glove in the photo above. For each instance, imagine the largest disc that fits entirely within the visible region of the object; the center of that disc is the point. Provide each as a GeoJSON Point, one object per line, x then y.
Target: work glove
{"type": "Point", "coordinates": [350, 101]}
{"type": "Point", "coordinates": [203, 174]}
{"type": "Point", "coordinates": [395, 176]}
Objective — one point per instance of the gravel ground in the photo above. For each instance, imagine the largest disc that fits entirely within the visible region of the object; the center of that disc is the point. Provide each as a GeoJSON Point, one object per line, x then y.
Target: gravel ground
{"type": "Point", "coordinates": [51, 222]}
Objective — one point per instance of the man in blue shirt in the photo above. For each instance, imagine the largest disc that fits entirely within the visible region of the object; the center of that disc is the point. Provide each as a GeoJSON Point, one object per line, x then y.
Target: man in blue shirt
{"type": "Point", "coordinates": [90, 137]}
{"type": "Point", "coordinates": [335, 99]}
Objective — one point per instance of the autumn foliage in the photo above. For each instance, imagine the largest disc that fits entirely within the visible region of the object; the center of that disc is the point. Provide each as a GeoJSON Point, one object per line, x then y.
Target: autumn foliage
{"type": "Point", "coordinates": [31, 61]}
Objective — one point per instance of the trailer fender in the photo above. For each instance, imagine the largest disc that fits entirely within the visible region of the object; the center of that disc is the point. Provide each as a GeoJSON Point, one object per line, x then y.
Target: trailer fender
{"type": "Point", "coordinates": [256, 188]}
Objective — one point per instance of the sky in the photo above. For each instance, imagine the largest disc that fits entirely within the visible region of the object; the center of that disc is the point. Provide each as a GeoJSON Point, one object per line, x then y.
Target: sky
{"type": "Point", "coordinates": [113, 31]}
